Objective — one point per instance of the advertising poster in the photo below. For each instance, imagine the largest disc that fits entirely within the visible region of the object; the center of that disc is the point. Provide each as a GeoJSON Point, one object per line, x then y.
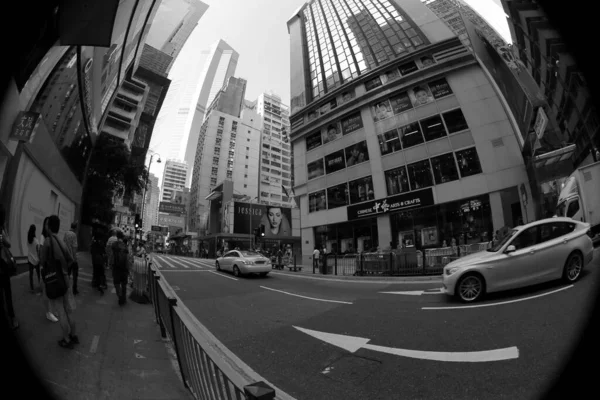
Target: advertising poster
{"type": "Point", "coordinates": [315, 169]}
{"type": "Point", "coordinates": [171, 208]}
{"type": "Point", "coordinates": [440, 88]}
{"type": "Point", "coordinates": [427, 61]}
{"type": "Point", "coordinates": [316, 201]}
{"type": "Point", "coordinates": [335, 162]}
{"type": "Point", "coordinates": [331, 132]}
{"type": "Point", "coordinates": [277, 220]}
{"type": "Point", "coordinates": [392, 75]}
{"type": "Point", "coordinates": [420, 95]}
{"type": "Point", "coordinates": [361, 190]}
{"type": "Point", "coordinates": [382, 110]}
{"type": "Point", "coordinates": [429, 236]}
{"type": "Point", "coordinates": [337, 196]}
{"type": "Point", "coordinates": [357, 153]}
{"type": "Point", "coordinates": [401, 103]}
{"type": "Point", "coordinates": [313, 141]}
{"type": "Point", "coordinates": [351, 123]}
{"type": "Point", "coordinates": [373, 83]}
{"type": "Point", "coordinates": [408, 68]}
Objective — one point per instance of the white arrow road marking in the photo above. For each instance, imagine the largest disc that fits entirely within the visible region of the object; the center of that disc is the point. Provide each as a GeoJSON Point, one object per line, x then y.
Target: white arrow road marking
{"type": "Point", "coordinates": [305, 297]}
{"type": "Point", "coordinates": [353, 343]}
{"type": "Point", "coordinates": [94, 345]}
{"type": "Point", "coordinates": [418, 292]}
{"type": "Point", "coordinates": [139, 356]}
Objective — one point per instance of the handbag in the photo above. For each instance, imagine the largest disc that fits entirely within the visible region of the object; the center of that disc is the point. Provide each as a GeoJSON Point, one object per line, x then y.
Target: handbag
{"type": "Point", "coordinates": [53, 276]}
{"type": "Point", "coordinates": [8, 266]}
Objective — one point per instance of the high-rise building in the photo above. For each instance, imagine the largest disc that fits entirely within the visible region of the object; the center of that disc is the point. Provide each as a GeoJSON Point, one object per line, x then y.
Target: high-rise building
{"type": "Point", "coordinates": [173, 24]}
{"type": "Point", "coordinates": [276, 151]}
{"type": "Point", "coordinates": [174, 179]}
{"type": "Point", "coordinates": [228, 149]}
{"type": "Point", "coordinates": [196, 77]}
{"type": "Point", "coordinates": [152, 203]}
{"type": "Point", "coordinates": [411, 144]}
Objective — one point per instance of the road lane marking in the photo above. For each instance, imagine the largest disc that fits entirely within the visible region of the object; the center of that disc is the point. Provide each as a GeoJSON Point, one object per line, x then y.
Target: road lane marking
{"type": "Point", "coordinates": [171, 265]}
{"type": "Point", "coordinates": [191, 263]}
{"type": "Point", "coordinates": [185, 270]}
{"type": "Point", "coordinates": [498, 303]}
{"type": "Point", "coordinates": [353, 344]}
{"type": "Point", "coordinates": [418, 292]}
{"type": "Point", "coordinates": [224, 276]}
{"type": "Point", "coordinates": [305, 297]}
{"type": "Point", "coordinates": [94, 345]}
{"type": "Point", "coordinates": [358, 281]}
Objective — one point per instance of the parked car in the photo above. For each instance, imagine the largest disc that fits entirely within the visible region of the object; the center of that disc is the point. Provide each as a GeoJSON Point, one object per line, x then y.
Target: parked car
{"type": "Point", "coordinates": [537, 252]}
{"type": "Point", "coordinates": [242, 262]}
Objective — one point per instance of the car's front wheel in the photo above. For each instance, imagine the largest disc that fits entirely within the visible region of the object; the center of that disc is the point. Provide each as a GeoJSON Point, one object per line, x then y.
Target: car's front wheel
{"type": "Point", "coordinates": [236, 271]}
{"type": "Point", "coordinates": [218, 266]}
{"type": "Point", "coordinates": [470, 288]}
{"type": "Point", "coordinates": [573, 268]}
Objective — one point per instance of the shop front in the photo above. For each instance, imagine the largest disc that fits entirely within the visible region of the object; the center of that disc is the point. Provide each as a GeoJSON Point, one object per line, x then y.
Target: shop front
{"type": "Point", "coordinates": [348, 237]}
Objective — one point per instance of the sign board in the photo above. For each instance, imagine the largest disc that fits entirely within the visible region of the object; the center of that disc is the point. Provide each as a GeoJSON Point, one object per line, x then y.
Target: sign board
{"type": "Point", "coordinates": [171, 208]}
{"type": "Point", "coordinates": [161, 229]}
{"type": "Point", "coordinates": [541, 122]}
{"type": "Point", "coordinates": [25, 126]}
{"type": "Point", "coordinates": [398, 202]}
{"type": "Point", "coordinates": [277, 220]}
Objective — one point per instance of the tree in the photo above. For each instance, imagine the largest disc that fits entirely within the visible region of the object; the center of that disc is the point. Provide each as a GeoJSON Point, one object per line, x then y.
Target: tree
{"type": "Point", "coordinates": [110, 173]}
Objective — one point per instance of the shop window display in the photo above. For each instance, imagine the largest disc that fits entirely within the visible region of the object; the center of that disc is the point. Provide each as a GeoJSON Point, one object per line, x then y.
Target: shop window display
{"type": "Point", "coordinates": [361, 190]}
{"type": "Point", "coordinates": [455, 121]}
{"type": "Point", "coordinates": [337, 196]}
{"type": "Point", "coordinates": [419, 174]}
{"type": "Point", "coordinates": [357, 153]}
{"type": "Point", "coordinates": [410, 135]}
{"type": "Point", "coordinates": [397, 181]}
{"type": "Point", "coordinates": [389, 142]}
{"type": "Point", "coordinates": [335, 162]}
{"type": "Point", "coordinates": [444, 168]}
{"type": "Point", "coordinates": [316, 201]}
{"type": "Point", "coordinates": [315, 169]}
{"type": "Point", "coordinates": [468, 162]}
{"type": "Point", "coordinates": [433, 128]}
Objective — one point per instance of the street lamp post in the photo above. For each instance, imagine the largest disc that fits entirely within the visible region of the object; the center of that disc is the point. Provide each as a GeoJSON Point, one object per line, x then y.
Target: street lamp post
{"type": "Point", "coordinates": [145, 187]}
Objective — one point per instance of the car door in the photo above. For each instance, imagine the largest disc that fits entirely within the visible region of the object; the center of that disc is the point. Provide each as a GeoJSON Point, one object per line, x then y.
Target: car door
{"type": "Point", "coordinates": [552, 249]}
{"type": "Point", "coordinates": [518, 268]}
{"type": "Point", "coordinates": [227, 258]}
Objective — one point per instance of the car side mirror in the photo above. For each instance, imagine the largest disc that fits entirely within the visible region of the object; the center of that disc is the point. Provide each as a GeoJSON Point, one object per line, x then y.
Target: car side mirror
{"type": "Point", "coordinates": [510, 249]}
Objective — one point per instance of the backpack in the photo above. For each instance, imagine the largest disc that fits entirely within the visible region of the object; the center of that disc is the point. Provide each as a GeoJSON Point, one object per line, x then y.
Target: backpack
{"type": "Point", "coordinates": [53, 276]}
{"type": "Point", "coordinates": [121, 255]}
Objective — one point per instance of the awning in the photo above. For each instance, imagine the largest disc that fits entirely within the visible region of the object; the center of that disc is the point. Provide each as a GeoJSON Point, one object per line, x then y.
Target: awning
{"type": "Point", "coordinates": [554, 156]}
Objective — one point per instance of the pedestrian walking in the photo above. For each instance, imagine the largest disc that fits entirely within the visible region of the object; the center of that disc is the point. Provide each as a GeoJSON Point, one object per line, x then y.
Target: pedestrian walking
{"type": "Point", "coordinates": [316, 254]}
{"type": "Point", "coordinates": [98, 256]}
{"type": "Point", "coordinates": [55, 258]}
{"type": "Point", "coordinates": [6, 271]}
{"type": "Point", "coordinates": [33, 257]}
{"type": "Point", "coordinates": [111, 240]}
{"type": "Point", "coordinates": [120, 267]}
{"type": "Point", "coordinates": [48, 305]}
{"type": "Point", "coordinates": [70, 240]}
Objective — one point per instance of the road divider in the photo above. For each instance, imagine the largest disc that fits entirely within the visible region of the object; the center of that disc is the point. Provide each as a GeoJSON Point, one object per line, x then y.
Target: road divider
{"type": "Point", "coordinates": [353, 344]}
{"type": "Point", "coordinates": [306, 297]}
{"type": "Point", "coordinates": [499, 303]}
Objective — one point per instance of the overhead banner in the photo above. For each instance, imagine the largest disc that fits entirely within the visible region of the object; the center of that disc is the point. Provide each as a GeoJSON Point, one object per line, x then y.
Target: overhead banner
{"type": "Point", "coordinates": [171, 208]}
{"type": "Point", "coordinates": [248, 216]}
{"type": "Point", "coordinates": [390, 204]}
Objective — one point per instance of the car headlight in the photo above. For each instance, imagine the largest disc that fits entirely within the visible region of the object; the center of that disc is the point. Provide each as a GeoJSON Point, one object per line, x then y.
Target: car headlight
{"type": "Point", "coordinates": [452, 270]}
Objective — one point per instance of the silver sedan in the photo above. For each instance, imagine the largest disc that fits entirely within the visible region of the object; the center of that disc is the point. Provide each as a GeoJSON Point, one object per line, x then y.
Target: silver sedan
{"type": "Point", "coordinates": [242, 262]}
{"type": "Point", "coordinates": [540, 251]}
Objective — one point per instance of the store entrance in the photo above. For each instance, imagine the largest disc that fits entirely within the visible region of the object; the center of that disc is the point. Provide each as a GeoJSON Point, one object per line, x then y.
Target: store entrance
{"type": "Point", "coordinates": [348, 237]}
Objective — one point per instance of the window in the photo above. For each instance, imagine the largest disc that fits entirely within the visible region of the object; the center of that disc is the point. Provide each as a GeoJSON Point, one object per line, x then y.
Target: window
{"type": "Point", "coordinates": [315, 169]}
{"type": "Point", "coordinates": [316, 201]}
{"type": "Point", "coordinates": [337, 196]}
{"type": "Point", "coordinates": [361, 190]}
{"type": "Point", "coordinates": [444, 168]}
{"type": "Point", "coordinates": [555, 230]}
{"type": "Point", "coordinates": [573, 209]}
{"type": "Point", "coordinates": [525, 239]}
{"type": "Point", "coordinates": [397, 181]}
{"type": "Point", "coordinates": [245, 185]}
{"type": "Point", "coordinates": [389, 142]}
{"type": "Point", "coordinates": [357, 153]}
{"type": "Point", "coordinates": [410, 135]}
{"type": "Point", "coordinates": [455, 121]}
{"type": "Point", "coordinates": [419, 174]}
{"type": "Point", "coordinates": [468, 162]}
{"type": "Point", "coordinates": [335, 162]}
{"type": "Point", "coordinates": [373, 83]}
{"type": "Point", "coordinates": [433, 128]}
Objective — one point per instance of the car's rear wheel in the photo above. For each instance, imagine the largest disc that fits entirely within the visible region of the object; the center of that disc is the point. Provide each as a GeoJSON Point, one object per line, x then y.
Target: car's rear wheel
{"type": "Point", "coordinates": [573, 268]}
{"type": "Point", "coordinates": [263, 274]}
{"type": "Point", "coordinates": [218, 266]}
{"type": "Point", "coordinates": [470, 288]}
{"type": "Point", "coordinates": [236, 271]}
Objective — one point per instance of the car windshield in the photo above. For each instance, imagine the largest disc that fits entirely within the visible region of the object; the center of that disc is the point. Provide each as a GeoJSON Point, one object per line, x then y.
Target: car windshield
{"type": "Point", "coordinates": [499, 245]}
{"type": "Point", "coordinates": [249, 253]}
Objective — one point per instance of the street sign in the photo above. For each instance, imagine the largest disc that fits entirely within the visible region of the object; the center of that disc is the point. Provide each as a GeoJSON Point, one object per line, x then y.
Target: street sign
{"type": "Point", "coordinates": [25, 126]}
{"type": "Point", "coordinates": [541, 122]}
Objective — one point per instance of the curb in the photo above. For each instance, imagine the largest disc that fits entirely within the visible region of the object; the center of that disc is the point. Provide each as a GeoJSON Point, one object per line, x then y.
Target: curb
{"type": "Point", "coordinates": [392, 280]}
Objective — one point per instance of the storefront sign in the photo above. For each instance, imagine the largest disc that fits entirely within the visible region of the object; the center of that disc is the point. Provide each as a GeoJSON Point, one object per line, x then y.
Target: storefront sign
{"type": "Point", "coordinates": [408, 68]}
{"type": "Point", "coordinates": [351, 123]}
{"type": "Point", "coordinates": [162, 229]}
{"type": "Point", "coordinates": [440, 88]}
{"type": "Point", "coordinates": [171, 208]}
{"type": "Point", "coordinates": [541, 122]}
{"type": "Point", "coordinates": [390, 204]}
{"type": "Point", "coordinates": [24, 126]}
{"type": "Point", "coordinates": [171, 220]}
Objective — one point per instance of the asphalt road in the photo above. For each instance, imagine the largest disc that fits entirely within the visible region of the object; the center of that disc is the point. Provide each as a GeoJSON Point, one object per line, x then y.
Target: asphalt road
{"type": "Point", "coordinates": [257, 319]}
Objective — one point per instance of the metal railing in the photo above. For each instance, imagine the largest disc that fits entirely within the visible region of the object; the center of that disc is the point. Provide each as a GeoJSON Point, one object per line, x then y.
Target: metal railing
{"type": "Point", "coordinates": [208, 369]}
{"type": "Point", "coordinates": [139, 280]}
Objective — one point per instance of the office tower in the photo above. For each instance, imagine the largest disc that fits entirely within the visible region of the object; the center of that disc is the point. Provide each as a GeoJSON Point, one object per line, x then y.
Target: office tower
{"type": "Point", "coordinates": [410, 145]}
{"type": "Point", "coordinates": [196, 77]}
{"type": "Point", "coordinates": [152, 203]}
{"type": "Point", "coordinates": [174, 178]}
{"type": "Point", "coordinates": [173, 24]}
{"type": "Point", "coordinates": [276, 151]}
{"type": "Point", "coordinates": [228, 149]}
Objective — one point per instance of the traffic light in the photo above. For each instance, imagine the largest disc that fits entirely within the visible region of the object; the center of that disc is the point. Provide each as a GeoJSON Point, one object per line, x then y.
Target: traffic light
{"type": "Point", "coordinates": [262, 230]}
{"type": "Point", "coordinates": [138, 220]}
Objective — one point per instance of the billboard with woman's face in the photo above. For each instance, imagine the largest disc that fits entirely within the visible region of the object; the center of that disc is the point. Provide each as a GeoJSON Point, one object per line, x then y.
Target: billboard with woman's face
{"type": "Point", "coordinates": [277, 220]}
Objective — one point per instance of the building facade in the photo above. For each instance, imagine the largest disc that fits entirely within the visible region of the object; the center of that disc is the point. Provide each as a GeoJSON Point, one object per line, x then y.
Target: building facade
{"type": "Point", "coordinates": [228, 149]}
{"type": "Point", "coordinates": [414, 150]}
{"type": "Point", "coordinates": [152, 203]}
{"type": "Point", "coordinates": [276, 158]}
{"type": "Point", "coordinates": [174, 179]}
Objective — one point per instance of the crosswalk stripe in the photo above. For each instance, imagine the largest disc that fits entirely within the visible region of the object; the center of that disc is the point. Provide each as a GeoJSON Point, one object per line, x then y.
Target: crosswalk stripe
{"type": "Point", "coordinates": [201, 262]}
{"type": "Point", "coordinates": [196, 265]}
{"type": "Point", "coordinates": [169, 264]}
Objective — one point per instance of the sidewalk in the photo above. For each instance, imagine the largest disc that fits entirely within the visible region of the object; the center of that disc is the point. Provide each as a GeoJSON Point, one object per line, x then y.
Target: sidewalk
{"type": "Point", "coordinates": [121, 354]}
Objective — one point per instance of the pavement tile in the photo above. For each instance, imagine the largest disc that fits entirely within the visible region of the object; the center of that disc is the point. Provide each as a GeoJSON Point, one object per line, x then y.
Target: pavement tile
{"type": "Point", "coordinates": [112, 371]}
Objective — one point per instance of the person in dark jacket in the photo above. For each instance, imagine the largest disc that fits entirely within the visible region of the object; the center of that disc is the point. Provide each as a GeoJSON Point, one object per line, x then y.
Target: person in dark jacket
{"type": "Point", "coordinates": [120, 267]}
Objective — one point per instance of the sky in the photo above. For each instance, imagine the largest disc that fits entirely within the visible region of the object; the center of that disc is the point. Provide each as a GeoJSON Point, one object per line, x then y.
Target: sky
{"type": "Point", "coordinates": [257, 30]}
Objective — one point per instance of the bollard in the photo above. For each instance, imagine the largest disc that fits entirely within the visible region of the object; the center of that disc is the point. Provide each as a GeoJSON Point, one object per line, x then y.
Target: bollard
{"type": "Point", "coordinates": [259, 391]}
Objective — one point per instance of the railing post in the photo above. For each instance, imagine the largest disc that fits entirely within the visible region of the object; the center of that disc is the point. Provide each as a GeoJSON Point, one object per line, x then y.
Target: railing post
{"type": "Point", "coordinates": [172, 304]}
{"type": "Point", "coordinates": [259, 391]}
{"type": "Point", "coordinates": [361, 258]}
{"type": "Point", "coordinates": [335, 262]}
{"type": "Point", "coordinates": [391, 260]}
{"type": "Point", "coordinates": [324, 263]}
